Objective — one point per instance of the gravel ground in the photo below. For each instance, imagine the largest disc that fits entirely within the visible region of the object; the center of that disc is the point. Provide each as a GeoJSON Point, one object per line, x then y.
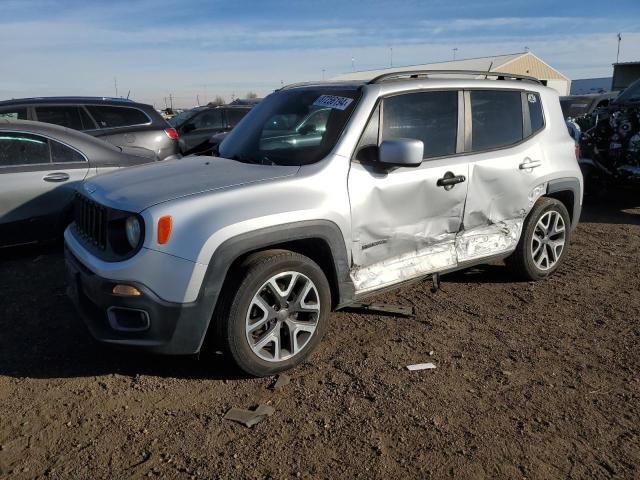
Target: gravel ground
{"type": "Point", "coordinates": [533, 380]}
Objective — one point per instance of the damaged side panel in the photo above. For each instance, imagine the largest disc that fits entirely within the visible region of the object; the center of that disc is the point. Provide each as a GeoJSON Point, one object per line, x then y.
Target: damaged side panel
{"type": "Point", "coordinates": [405, 228]}
{"type": "Point", "coordinates": [403, 224]}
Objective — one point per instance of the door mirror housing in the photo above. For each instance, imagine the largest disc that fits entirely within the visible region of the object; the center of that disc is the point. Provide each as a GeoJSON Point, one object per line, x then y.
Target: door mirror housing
{"type": "Point", "coordinates": [401, 152]}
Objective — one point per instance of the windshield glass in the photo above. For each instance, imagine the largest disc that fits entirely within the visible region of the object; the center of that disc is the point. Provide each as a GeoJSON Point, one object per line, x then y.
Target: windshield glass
{"type": "Point", "coordinates": [291, 127]}
{"type": "Point", "coordinates": [631, 94]}
{"type": "Point", "coordinates": [182, 117]}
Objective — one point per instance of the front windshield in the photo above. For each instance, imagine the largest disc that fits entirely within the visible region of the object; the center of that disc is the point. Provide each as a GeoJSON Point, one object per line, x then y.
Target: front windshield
{"type": "Point", "coordinates": [182, 117]}
{"type": "Point", "coordinates": [291, 127]}
{"type": "Point", "coordinates": [631, 94]}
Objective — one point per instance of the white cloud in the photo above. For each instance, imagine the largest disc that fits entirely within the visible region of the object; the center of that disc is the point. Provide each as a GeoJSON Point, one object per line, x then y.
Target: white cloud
{"type": "Point", "coordinates": [78, 57]}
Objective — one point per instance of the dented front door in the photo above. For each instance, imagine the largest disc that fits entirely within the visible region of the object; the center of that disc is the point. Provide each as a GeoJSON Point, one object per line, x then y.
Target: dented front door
{"type": "Point", "coordinates": [404, 225]}
{"type": "Point", "coordinates": [405, 220]}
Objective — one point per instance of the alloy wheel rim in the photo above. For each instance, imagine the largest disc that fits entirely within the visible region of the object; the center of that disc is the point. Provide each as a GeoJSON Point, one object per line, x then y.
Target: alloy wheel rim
{"type": "Point", "coordinates": [548, 240]}
{"type": "Point", "coordinates": [282, 316]}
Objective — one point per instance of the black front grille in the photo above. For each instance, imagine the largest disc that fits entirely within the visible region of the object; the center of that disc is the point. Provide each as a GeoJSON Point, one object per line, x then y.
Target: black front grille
{"type": "Point", "coordinates": [91, 221]}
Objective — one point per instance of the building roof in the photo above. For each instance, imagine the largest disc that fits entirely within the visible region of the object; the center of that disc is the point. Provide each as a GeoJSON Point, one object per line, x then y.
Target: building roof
{"type": "Point", "coordinates": [524, 63]}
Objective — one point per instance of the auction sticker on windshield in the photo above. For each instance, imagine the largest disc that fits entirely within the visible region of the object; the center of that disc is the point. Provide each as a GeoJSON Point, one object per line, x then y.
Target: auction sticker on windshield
{"type": "Point", "coordinates": [333, 101]}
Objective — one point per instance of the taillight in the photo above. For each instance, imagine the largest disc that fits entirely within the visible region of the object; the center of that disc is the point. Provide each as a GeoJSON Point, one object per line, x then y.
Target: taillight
{"type": "Point", "coordinates": [172, 133]}
{"type": "Point", "coordinates": [577, 151]}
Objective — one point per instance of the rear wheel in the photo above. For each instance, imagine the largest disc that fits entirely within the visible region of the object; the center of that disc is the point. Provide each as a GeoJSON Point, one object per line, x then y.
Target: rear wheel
{"type": "Point", "coordinates": [276, 313]}
{"type": "Point", "coordinates": [544, 240]}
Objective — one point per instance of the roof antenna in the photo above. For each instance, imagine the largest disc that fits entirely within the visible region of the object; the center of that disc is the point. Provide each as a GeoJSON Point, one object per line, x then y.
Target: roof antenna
{"type": "Point", "coordinates": [128, 93]}
{"type": "Point", "coordinates": [489, 71]}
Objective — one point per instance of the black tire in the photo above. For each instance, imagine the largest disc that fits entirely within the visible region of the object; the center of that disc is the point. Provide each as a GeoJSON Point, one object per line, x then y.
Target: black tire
{"type": "Point", "coordinates": [238, 295]}
{"type": "Point", "coordinates": [521, 261]}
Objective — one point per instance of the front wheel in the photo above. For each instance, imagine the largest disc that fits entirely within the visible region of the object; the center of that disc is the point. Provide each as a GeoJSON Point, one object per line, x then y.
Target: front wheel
{"type": "Point", "coordinates": [276, 313]}
{"type": "Point", "coordinates": [544, 240]}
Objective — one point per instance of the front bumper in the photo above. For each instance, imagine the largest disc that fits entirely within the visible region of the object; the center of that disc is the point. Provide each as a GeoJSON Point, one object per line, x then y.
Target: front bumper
{"type": "Point", "coordinates": [161, 326]}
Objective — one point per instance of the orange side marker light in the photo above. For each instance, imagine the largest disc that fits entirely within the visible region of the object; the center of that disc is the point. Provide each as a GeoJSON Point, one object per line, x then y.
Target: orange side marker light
{"type": "Point", "coordinates": [165, 224]}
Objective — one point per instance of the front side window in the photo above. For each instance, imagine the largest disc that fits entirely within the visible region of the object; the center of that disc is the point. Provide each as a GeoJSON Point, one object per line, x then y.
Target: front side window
{"type": "Point", "coordinates": [14, 113]}
{"type": "Point", "coordinates": [182, 118]}
{"type": "Point", "coordinates": [431, 117]}
{"type": "Point", "coordinates": [65, 116]}
{"type": "Point", "coordinates": [208, 119]}
{"type": "Point", "coordinates": [113, 117]}
{"type": "Point", "coordinates": [291, 127]}
{"type": "Point", "coordinates": [496, 119]}
{"type": "Point", "coordinates": [17, 149]}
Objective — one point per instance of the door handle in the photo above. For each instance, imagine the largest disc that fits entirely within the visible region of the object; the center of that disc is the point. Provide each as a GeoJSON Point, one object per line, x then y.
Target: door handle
{"type": "Point", "coordinates": [527, 163]}
{"type": "Point", "coordinates": [450, 180]}
{"type": "Point", "coordinates": [56, 177]}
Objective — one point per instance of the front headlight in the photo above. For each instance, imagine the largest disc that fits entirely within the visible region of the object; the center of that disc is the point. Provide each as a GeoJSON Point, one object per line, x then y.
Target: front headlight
{"type": "Point", "coordinates": [133, 230]}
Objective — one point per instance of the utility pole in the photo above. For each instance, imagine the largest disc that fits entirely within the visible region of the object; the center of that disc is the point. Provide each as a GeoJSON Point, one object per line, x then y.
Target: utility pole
{"type": "Point", "coordinates": [353, 64]}
{"type": "Point", "coordinates": [115, 84]}
{"type": "Point", "coordinates": [391, 57]}
{"type": "Point", "coordinates": [618, 54]}
{"type": "Point", "coordinates": [198, 100]}
{"type": "Point", "coordinates": [455, 50]}
{"type": "Point", "coordinates": [171, 101]}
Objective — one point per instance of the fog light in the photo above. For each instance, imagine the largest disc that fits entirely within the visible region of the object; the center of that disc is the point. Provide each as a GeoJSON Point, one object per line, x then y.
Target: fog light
{"type": "Point", "coordinates": [126, 291]}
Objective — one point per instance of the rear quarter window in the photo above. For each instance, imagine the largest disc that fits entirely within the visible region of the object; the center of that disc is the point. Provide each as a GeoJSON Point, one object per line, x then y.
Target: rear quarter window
{"type": "Point", "coordinates": [62, 154]}
{"type": "Point", "coordinates": [113, 117]}
{"type": "Point", "coordinates": [536, 116]}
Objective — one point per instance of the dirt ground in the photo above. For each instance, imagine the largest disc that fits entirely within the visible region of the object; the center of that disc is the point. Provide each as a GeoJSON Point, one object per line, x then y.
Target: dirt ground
{"type": "Point", "coordinates": [533, 380]}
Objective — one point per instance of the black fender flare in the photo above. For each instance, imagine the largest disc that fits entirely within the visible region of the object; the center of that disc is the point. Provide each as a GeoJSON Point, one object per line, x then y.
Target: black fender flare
{"type": "Point", "coordinates": [264, 238]}
{"type": "Point", "coordinates": [572, 185]}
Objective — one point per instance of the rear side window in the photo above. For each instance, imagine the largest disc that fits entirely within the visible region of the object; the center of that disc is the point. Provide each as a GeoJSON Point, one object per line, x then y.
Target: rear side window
{"type": "Point", "coordinates": [19, 113]}
{"type": "Point", "coordinates": [66, 116]}
{"type": "Point", "coordinates": [496, 119]}
{"type": "Point", "coordinates": [62, 154]}
{"type": "Point", "coordinates": [430, 116]}
{"type": "Point", "coordinates": [23, 149]}
{"type": "Point", "coordinates": [113, 117]}
{"type": "Point", "coordinates": [535, 112]}
{"type": "Point", "coordinates": [234, 116]}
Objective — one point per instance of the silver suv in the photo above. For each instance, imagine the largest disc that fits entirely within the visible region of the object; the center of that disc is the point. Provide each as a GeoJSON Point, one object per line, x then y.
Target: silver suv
{"type": "Point", "coordinates": [411, 174]}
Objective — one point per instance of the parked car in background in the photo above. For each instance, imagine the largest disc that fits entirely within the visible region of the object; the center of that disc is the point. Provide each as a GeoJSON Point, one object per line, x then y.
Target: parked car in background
{"type": "Point", "coordinates": [574, 106]}
{"type": "Point", "coordinates": [609, 141]}
{"type": "Point", "coordinates": [41, 165]}
{"type": "Point", "coordinates": [395, 179]}
{"type": "Point", "coordinates": [197, 126]}
{"type": "Point", "coordinates": [118, 121]}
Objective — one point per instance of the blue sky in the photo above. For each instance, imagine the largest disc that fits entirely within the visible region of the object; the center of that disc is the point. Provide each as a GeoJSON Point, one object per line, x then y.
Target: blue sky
{"type": "Point", "coordinates": [203, 48]}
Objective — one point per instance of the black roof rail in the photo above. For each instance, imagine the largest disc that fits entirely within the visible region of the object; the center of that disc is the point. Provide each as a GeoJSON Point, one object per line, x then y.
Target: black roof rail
{"type": "Point", "coordinates": [426, 73]}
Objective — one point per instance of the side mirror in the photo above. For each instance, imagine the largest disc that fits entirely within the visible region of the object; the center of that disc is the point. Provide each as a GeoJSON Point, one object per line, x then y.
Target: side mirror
{"type": "Point", "coordinates": [401, 152]}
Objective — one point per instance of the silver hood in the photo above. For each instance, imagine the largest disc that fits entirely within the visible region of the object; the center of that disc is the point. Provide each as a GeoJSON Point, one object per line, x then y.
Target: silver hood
{"type": "Point", "coordinates": [138, 188]}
